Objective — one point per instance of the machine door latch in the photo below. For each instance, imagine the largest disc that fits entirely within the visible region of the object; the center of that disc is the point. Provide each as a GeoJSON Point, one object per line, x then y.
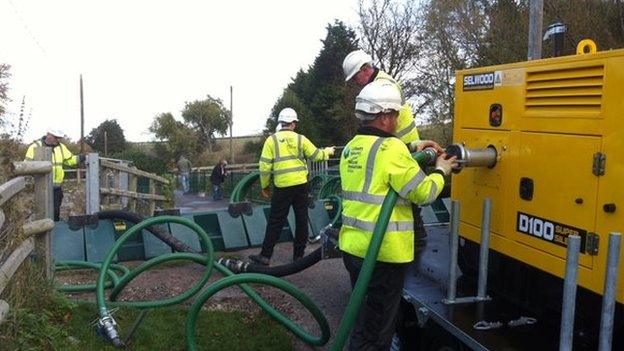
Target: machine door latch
{"type": "Point", "coordinates": [592, 245]}
{"type": "Point", "coordinates": [598, 167]}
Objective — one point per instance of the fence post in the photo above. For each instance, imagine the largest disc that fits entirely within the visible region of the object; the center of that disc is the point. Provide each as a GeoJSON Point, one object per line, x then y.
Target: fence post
{"type": "Point", "coordinates": [44, 208]}
{"type": "Point", "coordinates": [133, 187]}
{"type": "Point", "coordinates": [92, 188]}
{"type": "Point", "coordinates": [152, 202]}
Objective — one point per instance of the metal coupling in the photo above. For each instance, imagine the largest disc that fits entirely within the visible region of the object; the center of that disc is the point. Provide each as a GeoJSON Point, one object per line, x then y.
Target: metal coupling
{"type": "Point", "coordinates": [467, 157]}
{"type": "Point", "coordinates": [234, 264]}
{"type": "Point", "coordinates": [108, 328]}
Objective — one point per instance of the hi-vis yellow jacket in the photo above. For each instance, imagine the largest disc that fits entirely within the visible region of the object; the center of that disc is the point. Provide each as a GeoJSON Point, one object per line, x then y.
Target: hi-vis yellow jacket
{"type": "Point", "coordinates": [60, 156]}
{"type": "Point", "coordinates": [284, 156]}
{"type": "Point", "coordinates": [406, 126]}
{"type": "Point", "coordinates": [369, 167]}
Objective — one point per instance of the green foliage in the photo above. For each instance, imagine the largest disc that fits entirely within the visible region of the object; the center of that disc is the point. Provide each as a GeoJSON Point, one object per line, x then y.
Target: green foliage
{"type": "Point", "coordinates": [142, 160]}
{"type": "Point", "coordinates": [110, 133]}
{"type": "Point", "coordinates": [179, 138]}
{"type": "Point", "coordinates": [320, 96]}
{"type": "Point", "coordinates": [474, 33]}
{"type": "Point", "coordinates": [206, 118]}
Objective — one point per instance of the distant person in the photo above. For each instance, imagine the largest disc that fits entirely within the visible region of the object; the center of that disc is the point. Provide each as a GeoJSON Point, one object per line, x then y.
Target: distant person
{"type": "Point", "coordinates": [60, 156]}
{"type": "Point", "coordinates": [284, 156]}
{"type": "Point", "coordinates": [219, 172]}
{"type": "Point", "coordinates": [184, 167]}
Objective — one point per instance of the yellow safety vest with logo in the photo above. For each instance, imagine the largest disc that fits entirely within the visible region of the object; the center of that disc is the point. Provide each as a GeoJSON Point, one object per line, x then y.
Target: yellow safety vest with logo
{"type": "Point", "coordinates": [60, 156]}
{"type": "Point", "coordinates": [284, 157]}
{"type": "Point", "coordinates": [406, 126]}
{"type": "Point", "coordinates": [369, 167]}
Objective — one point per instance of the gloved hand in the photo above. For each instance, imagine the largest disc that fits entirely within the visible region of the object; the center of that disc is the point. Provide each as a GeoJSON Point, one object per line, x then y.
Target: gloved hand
{"type": "Point", "coordinates": [420, 145]}
{"type": "Point", "coordinates": [445, 165]}
{"type": "Point", "coordinates": [330, 150]}
{"type": "Point", "coordinates": [266, 193]}
{"type": "Point", "coordinates": [82, 158]}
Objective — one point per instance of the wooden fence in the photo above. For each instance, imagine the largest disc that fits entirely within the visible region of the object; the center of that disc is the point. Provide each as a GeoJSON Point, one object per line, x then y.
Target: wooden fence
{"type": "Point", "coordinates": [113, 184]}
{"type": "Point", "coordinates": [35, 233]}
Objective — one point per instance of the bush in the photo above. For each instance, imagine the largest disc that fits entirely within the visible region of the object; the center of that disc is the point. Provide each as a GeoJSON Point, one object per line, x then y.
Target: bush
{"type": "Point", "coordinates": [143, 161]}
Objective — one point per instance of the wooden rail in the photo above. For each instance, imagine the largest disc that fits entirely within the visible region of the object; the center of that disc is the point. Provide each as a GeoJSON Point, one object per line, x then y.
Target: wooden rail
{"type": "Point", "coordinates": [130, 170]}
{"type": "Point", "coordinates": [132, 194]}
{"type": "Point", "coordinates": [41, 173]}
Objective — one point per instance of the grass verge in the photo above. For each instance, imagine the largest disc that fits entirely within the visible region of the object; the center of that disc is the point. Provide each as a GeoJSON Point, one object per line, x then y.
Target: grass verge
{"type": "Point", "coordinates": [60, 324]}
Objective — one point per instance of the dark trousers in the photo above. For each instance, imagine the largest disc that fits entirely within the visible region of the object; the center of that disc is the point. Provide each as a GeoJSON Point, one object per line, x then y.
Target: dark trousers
{"type": "Point", "coordinates": [376, 322]}
{"type": "Point", "coordinates": [282, 199]}
{"type": "Point", "coordinates": [58, 198]}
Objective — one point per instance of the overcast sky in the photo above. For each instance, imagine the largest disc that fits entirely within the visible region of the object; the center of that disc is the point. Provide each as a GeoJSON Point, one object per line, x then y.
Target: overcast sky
{"type": "Point", "coordinates": [141, 58]}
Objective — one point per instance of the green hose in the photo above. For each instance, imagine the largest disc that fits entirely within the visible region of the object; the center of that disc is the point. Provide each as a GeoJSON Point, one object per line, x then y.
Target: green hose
{"type": "Point", "coordinates": [330, 187]}
{"type": "Point", "coordinates": [346, 323]}
{"type": "Point", "coordinates": [206, 243]}
{"type": "Point", "coordinates": [208, 261]}
{"type": "Point", "coordinates": [239, 279]}
{"type": "Point", "coordinates": [71, 265]}
{"type": "Point", "coordinates": [242, 187]}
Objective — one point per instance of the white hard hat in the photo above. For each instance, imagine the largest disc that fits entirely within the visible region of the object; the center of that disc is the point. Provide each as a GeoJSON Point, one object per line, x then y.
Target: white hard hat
{"type": "Point", "coordinates": [55, 132]}
{"type": "Point", "coordinates": [287, 115]}
{"type": "Point", "coordinates": [377, 97]}
{"type": "Point", "coordinates": [354, 61]}
{"type": "Point", "coordinates": [278, 127]}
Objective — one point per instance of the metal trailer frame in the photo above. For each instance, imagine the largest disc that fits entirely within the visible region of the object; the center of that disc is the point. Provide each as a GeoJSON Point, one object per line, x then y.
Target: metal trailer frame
{"type": "Point", "coordinates": [431, 288]}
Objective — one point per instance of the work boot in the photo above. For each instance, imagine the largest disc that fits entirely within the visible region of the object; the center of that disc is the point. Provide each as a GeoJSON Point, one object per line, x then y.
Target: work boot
{"type": "Point", "coordinates": [260, 259]}
{"type": "Point", "coordinates": [297, 258]}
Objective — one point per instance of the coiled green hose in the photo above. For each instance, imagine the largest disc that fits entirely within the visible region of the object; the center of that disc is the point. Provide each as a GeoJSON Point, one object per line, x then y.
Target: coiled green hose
{"type": "Point", "coordinates": [208, 261]}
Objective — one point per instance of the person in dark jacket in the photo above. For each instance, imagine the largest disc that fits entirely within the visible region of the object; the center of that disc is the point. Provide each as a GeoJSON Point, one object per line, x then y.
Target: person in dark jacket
{"type": "Point", "coordinates": [219, 172]}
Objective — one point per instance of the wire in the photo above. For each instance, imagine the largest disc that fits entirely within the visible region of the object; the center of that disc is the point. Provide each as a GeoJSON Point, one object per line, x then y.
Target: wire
{"type": "Point", "coordinates": [32, 36]}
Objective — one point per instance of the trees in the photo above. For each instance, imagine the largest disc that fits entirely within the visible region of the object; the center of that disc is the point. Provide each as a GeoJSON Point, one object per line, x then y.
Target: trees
{"type": "Point", "coordinates": [320, 96]}
{"type": "Point", "coordinates": [180, 138]}
{"type": "Point", "coordinates": [202, 120]}
{"type": "Point", "coordinates": [109, 131]}
{"type": "Point", "coordinates": [206, 118]}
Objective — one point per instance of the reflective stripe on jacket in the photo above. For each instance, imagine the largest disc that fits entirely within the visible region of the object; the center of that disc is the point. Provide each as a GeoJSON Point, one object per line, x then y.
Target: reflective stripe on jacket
{"type": "Point", "coordinates": [60, 156]}
{"type": "Point", "coordinates": [369, 167]}
{"type": "Point", "coordinates": [406, 126]}
{"type": "Point", "coordinates": [284, 157]}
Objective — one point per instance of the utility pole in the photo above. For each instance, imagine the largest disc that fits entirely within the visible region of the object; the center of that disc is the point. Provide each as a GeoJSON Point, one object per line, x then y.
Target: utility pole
{"type": "Point", "coordinates": [106, 143]}
{"type": "Point", "coordinates": [82, 150]}
{"type": "Point", "coordinates": [231, 122]}
{"type": "Point", "coordinates": [536, 15]}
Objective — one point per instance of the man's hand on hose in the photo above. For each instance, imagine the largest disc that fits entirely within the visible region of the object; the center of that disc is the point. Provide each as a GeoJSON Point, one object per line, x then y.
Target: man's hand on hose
{"type": "Point", "coordinates": [420, 145]}
{"type": "Point", "coordinates": [266, 193]}
{"type": "Point", "coordinates": [446, 165]}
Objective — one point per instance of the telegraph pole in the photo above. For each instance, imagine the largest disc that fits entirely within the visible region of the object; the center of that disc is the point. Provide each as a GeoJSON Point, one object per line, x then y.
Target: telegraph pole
{"type": "Point", "coordinates": [231, 122]}
{"type": "Point", "coordinates": [81, 119]}
{"type": "Point", "coordinates": [536, 15]}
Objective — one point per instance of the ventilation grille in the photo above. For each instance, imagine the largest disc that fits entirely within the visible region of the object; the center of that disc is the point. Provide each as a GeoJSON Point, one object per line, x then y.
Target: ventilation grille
{"type": "Point", "coordinates": [571, 92]}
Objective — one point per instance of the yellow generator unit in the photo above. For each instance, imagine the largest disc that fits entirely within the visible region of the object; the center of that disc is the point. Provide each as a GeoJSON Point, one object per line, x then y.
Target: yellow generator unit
{"type": "Point", "coordinates": [556, 127]}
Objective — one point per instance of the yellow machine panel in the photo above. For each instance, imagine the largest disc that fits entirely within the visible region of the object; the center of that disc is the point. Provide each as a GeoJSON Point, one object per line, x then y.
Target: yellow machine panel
{"type": "Point", "coordinates": [558, 129]}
